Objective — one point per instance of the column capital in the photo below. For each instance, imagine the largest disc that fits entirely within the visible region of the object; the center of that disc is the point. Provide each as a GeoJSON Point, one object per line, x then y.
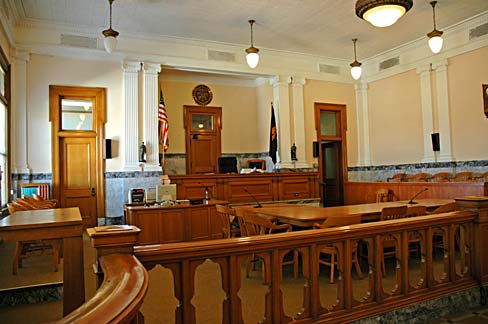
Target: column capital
{"type": "Point", "coordinates": [440, 65]}
{"type": "Point", "coordinates": [361, 86]}
{"type": "Point", "coordinates": [151, 68]}
{"type": "Point", "coordinates": [279, 80]}
{"type": "Point", "coordinates": [21, 55]}
{"type": "Point", "coordinates": [298, 80]}
{"type": "Point", "coordinates": [424, 68]}
{"type": "Point", "coordinates": [131, 66]}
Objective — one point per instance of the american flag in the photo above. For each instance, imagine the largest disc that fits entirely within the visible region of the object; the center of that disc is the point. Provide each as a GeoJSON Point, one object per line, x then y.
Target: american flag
{"type": "Point", "coordinates": [163, 124]}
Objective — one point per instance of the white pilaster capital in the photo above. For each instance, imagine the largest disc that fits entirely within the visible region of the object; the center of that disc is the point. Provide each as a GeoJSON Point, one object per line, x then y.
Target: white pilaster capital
{"type": "Point", "coordinates": [298, 80]}
{"type": "Point", "coordinates": [280, 80]}
{"type": "Point", "coordinates": [21, 55]}
{"type": "Point", "coordinates": [424, 68]}
{"type": "Point", "coordinates": [131, 66]}
{"type": "Point", "coordinates": [151, 68]}
{"type": "Point", "coordinates": [361, 86]}
{"type": "Point", "coordinates": [440, 66]}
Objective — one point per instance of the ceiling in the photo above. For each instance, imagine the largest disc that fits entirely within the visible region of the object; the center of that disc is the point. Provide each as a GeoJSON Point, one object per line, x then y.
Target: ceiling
{"type": "Point", "coordinates": [317, 27]}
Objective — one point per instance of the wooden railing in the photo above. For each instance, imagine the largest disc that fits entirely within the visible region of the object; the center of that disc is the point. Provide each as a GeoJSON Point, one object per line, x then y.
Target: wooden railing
{"type": "Point", "coordinates": [456, 228]}
{"type": "Point", "coordinates": [119, 297]}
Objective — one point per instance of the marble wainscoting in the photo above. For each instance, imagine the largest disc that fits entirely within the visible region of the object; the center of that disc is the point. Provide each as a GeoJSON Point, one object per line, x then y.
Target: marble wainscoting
{"type": "Point", "coordinates": [383, 172]}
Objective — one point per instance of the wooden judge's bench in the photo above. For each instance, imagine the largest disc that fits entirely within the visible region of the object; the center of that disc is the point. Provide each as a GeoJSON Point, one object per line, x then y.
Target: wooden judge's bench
{"type": "Point", "coordinates": [240, 188]}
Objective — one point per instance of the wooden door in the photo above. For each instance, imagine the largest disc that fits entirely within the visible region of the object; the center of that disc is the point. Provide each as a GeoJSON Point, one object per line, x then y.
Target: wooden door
{"type": "Point", "coordinates": [78, 185]}
{"type": "Point", "coordinates": [202, 132]}
{"type": "Point", "coordinates": [77, 115]}
{"type": "Point", "coordinates": [330, 123]}
{"type": "Point", "coordinates": [332, 184]}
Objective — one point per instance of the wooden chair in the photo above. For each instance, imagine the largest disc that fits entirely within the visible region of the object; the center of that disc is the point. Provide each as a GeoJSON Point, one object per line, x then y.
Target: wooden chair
{"type": "Point", "coordinates": [441, 177]}
{"type": "Point", "coordinates": [397, 177]}
{"type": "Point", "coordinates": [331, 251]}
{"type": "Point", "coordinates": [443, 209]}
{"type": "Point", "coordinates": [26, 249]}
{"type": "Point", "coordinates": [229, 221]}
{"type": "Point", "coordinates": [421, 177]}
{"type": "Point", "coordinates": [463, 176]}
{"type": "Point", "coordinates": [258, 164]}
{"type": "Point", "coordinates": [390, 213]}
{"type": "Point", "coordinates": [257, 224]}
{"type": "Point", "coordinates": [418, 210]}
{"type": "Point", "coordinates": [482, 177]}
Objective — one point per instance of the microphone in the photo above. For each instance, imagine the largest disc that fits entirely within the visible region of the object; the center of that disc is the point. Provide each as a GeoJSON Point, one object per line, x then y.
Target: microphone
{"type": "Point", "coordinates": [252, 196]}
{"type": "Point", "coordinates": [418, 193]}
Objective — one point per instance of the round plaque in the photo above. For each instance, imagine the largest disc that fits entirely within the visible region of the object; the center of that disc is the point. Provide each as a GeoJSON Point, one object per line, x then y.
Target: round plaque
{"type": "Point", "coordinates": [202, 94]}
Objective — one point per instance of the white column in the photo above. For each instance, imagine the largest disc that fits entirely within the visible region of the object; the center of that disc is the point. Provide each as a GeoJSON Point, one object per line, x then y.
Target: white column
{"type": "Point", "coordinates": [131, 115]}
{"type": "Point", "coordinates": [443, 112]}
{"type": "Point", "coordinates": [19, 114]}
{"type": "Point", "coordinates": [150, 112]}
{"type": "Point", "coordinates": [362, 121]}
{"type": "Point", "coordinates": [281, 104]}
{"type": "Point", "coordinates": [299, 122]}
{"type": "Point", "coordinates": [427, 111]}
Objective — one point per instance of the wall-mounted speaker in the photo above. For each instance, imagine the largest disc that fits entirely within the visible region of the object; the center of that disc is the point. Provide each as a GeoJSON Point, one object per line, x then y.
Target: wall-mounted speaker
{"type": "Point", "coordinates": [108, 148]}
{"type": "Point", "coordinates": [316, 149]}
{"type": "Point", "coordinates": [436, 145]}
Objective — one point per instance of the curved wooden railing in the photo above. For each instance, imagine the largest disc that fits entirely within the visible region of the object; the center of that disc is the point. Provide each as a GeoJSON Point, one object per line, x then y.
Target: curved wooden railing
{"type": "Point", "coordinates": [456, 229]}
{"type": "Point", "coordinates": [119, 297]}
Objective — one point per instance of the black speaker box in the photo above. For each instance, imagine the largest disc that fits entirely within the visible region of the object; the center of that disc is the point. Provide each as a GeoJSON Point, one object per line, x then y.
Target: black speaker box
{"type": "Point", "coordinates": [436, 145]}
{"type": "Point", "coordinates": [108, 148]}
{"type": "Point", "coordinates": [316, 149]}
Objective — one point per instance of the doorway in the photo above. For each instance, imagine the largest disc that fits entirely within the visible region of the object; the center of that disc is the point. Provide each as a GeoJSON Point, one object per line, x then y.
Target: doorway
{"type": "Point", "coordinates": [77, 116]}
{"type": "Point", "coordinates": [202, 132]}
{"type": "Point", "coordinates": [330, 122]}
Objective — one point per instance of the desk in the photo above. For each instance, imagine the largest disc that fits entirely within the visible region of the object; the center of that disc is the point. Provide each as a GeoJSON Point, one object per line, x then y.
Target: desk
{"type": "Point", "coordinates": [60, 223]}
{"type": "Point", "coordinates": [306, 216]}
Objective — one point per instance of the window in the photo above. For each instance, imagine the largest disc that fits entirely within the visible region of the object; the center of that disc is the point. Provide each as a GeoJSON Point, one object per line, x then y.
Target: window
{"type": "Point", "coordinates": [4, 127]}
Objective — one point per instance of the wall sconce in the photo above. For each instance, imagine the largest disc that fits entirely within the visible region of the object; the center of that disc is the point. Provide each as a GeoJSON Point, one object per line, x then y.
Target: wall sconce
{"type": "Point", "coordinates": [435, 36]}
{"type": "Point", "coordinates": [356, 69]}
{"type": "Point", "coordinates": [252, 56]}
{"type": "Point", "coordinates": [110, 40]}
{"type": "Point", "coordinates": [382, 13]}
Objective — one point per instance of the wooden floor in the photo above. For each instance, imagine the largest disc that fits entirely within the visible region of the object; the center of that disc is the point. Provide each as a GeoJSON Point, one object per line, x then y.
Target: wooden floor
{"type": "Point", "coordinates": [160, 303]}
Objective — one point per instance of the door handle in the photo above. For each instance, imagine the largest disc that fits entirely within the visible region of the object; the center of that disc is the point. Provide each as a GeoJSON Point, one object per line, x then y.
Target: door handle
{"type": "Point", "coordinates": [93, 193]}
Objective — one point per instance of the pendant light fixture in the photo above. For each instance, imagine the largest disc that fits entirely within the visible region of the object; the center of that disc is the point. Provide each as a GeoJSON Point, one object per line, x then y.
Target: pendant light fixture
{"type": "Point", "coordinates": [356, 69]}
{"type": "Point", "coordinates": [110, 40]}
{"type": "Point", "coordinates": [435, 36]}
{"type": "Point", "coordinates": [252, 56]}
{"type": "Point", "coordinates": [382, 13]}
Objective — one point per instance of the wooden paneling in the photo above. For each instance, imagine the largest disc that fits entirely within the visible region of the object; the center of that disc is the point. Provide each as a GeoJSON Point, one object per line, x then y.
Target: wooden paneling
{"type": "Point", "coordinates": [365, 192]}
{"type": "Point", "coordinates": [265, 186]}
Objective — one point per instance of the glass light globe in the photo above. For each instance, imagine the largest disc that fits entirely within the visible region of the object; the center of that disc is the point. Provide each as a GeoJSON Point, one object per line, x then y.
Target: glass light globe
{"type": "Point", "coordinates": [252, 60]}
{"type": "Point", "coordinates": [356, 72]}
{"type": "Point", "coordinates": [384, 16]}
{"type": "Point", "coordinates": [110, 43]}
{"type": "Point", "coordinates": [435, 44]}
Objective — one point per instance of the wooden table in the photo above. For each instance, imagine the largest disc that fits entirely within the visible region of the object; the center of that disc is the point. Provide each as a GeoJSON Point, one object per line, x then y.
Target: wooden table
{"type": "Point", "coordinates": [59, 223]}
{"type": "Point", "coordinates": [306, 216]}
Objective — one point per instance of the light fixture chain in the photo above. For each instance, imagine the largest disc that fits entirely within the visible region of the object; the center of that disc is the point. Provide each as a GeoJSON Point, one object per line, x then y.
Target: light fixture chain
{"type": "Point", "coordinates": [354, 40]}
{"type": "Point", "coordinates": [110, 2]}
{"type": "Point", "coordinates": [433, 3]}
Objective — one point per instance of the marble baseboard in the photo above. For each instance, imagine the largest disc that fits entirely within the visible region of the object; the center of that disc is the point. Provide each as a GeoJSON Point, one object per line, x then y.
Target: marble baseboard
{"type": "Point", "coordinates": [31, 295]}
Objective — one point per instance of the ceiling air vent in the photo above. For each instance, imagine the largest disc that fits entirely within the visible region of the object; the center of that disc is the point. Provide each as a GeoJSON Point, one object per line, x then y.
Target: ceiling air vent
{"type": "Point", "coordinates": [389, 63]}
{"type": "Point", "coordinates": [478, 31]}
{"type": "Point", "coordinates": [78, 41]}
{"type": "Point", "coordinates": [331, 69]}
{"type": "Point", "coordinates": [221, 56]}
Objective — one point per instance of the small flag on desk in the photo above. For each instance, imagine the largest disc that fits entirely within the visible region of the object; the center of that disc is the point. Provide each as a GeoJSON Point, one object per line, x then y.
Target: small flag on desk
{"type": "Point", "coordinates": [273, 137]}
{"type": "Point", "coordinates": [163, 124]}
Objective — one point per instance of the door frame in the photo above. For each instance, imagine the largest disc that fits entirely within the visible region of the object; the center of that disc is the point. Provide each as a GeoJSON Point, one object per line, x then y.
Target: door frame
{"type": "Point", "coordinates": [97, 95]}
{"type": "Point", "coordinates": [341, 127]}
{"type": "Point", "coordinates": [189, 132]}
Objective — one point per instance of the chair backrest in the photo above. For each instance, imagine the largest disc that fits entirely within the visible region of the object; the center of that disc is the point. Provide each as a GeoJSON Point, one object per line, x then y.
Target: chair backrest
{"type": "Point", "coordinates": [463, 176]}
{"type": "Point", "coordinates": [30, 189]}
{"type": "Point", "coordinates": [338, 221]}
{"type": "Point", "coordinates": [384, 195]}
{"type": "Point", "coordinates": [257, 224]}
{"type": "Point", "coordinates": [417, 210]}
{"type": "Point", "coordinates": [441, 177]}
{"type": "Point", "coordinates": [482, 177]}
{"type": "Point", "coordinates": [396, 212]}
{"type": "Point", "coordinates": [421, 177]}
{"type": "Point", "coordinates": [444, 208]}
{"type": "Point", "coordinates": [397, 177]}
{"type": "Point", "coordinates": [258, 164]}
{"type": "Point", "coordinates": [225, 214]}
{"type": "Point", "coordinates": [227, 164]}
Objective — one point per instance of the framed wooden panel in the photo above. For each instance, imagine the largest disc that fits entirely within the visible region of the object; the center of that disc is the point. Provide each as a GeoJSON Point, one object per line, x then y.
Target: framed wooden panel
{"type": "Point", "coordinates": [258, 164]}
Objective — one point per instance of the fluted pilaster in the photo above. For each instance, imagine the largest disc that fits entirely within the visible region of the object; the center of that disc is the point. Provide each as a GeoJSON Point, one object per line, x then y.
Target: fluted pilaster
{"type": "Point", "coordinates": [131, 115]}
{"type": "Point", "coordinates": [150, 112]}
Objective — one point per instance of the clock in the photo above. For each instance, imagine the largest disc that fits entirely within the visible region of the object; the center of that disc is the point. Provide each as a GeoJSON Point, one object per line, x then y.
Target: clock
{"type": "Point", "coordinates": [202, 94]}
